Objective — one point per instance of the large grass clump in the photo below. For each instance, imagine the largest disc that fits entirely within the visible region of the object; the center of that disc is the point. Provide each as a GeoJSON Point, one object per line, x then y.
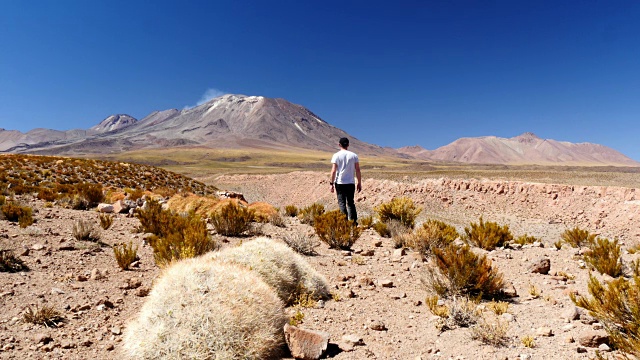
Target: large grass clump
{"type": "Point", "coordinates": [232, 219]}
{"type": "Point", "coordinates": [402, 209]}
{"type": "Point", "coordinates": [487, 235]}
{"type": "Point", "coordinates": [279, 266]}
{"type": "Point", "coordinates": [577, 237]}
{"type": "Point", "coordinates": [456, 270]}
{"type": "Point", "coordinates": [174, 236]}
{"type": "Point", "coordinates": [202, 309]}
{"type": "Point", "coordinates": [15, 212]}
{"type": "Point", "coordinates": [308, 214]}
{"type": "Point", "coordinates": [334, 229]}
{"type": "Point", "coordinates": [432, 233]}
{"type": "Point", "coordinates": [616, 305]}
{"type": "Point", "coordinates": [604, 256]}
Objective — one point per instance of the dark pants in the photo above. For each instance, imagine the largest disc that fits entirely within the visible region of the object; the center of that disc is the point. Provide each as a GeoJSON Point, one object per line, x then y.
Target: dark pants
{"type": "Point", "coordinates": [345, 194]}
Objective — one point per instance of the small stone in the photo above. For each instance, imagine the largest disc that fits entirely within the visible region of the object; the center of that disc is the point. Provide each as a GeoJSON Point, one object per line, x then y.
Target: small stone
{"type": "Point", "coordinates": [507, 317]}
{"type": "Point", "coordinates": [399, 252]}
{"type": "Point", "coordinates": [352, 339]}
{"type": "Point", "coordinates": [377, 244]}
{"type": "Point", "coordinates": [25, 252]}
{"type": "Point", "coordinates": [544, 331]}
{"type": "Point", "coordinates": [96, 274]}
{"type": "Point", "coordinates": [81, 278]}
{"type": "Point", "coordinates": [540, 266]}
{"type": "Point", "coordinates": [306, 344]}
{"type": "Point", "coordinates": [597, 326]}
{"type": "Point", "coordinates": [110, 347]}
{"type": "Point", "coordinates": [142, 292]}
{"type": "Point", "coordinates": [100, 307]}
{"type": "Point", "coordinates": [593, 338]}
{"type": "Point", "coordinates": [571, 313]}
{"type": "Point", "coordinates": [581, 350]}
{"type": "Point", "coordinates": [525, 356]}
{"type": "Point", "coordinates": [43, 339]}
{"type": "Point", "coordinates": [569, 339]}
{"type": "Point", "coordinates": [368, 253]}
{"type": "Point", "coordinates": [37, 247]}
{"type": "Point", "coordinates": [604, 347]}
{"type": "Point", "coordinates": [116, 330]}
{"type": "Point", "coordinates": [567, 327]}
{"type": "Point", "coordinates": [377, 325]}
{"type": "Point", "coordinates": [386, 283]}
{"type": "Point", "coordinates": [86, 343]}
{"type": "Point", "coordinates": [66, 344]}
{"type": "Point", "coordinates": [105, 208]}
{"type": "Point", "coordinates": [509, 290]}
{"type": "Point", "coordinates": [57, 291]}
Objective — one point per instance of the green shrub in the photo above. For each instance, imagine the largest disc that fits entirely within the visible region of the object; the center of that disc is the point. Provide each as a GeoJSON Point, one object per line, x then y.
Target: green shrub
{"type": "Point", "coordinates": [308, 214]}
{"type": "Point", "coordinates": [10, 263]}
{"type": "Point", "coordinates": [459, 271]}
{"type": "Point", "coordinates": [17, 213]}
{"type": "Point", "coordinates": [125, 254]}
{"type": "Point", "coordinates": [604, 256]}
{"type": "Point", "coordinates": [232, 220]}
{"type": "Point", "coordinates": [402, 209]}
{"type": "Point", "coordinates": [291, 210]}
{"type": "Point", "coordinates": [488, 235]}
{"type": "Point", "coordinates": [105, 220]}
{"type": "Point", "coordinates": [577, 237]}
{"type": "Point", "coordinates": [616, 305]}
{"type": "Point", "coordinates": [334, 229]}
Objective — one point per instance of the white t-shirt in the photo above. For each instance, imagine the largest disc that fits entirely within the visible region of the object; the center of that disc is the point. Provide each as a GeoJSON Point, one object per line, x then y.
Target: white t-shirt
{"type": "Point", "coordinates": [346, 166]}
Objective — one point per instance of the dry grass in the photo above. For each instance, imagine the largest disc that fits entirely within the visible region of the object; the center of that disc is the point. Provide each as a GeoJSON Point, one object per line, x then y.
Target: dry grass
{"type": "Point", "coordinates": [491, 331]}
{"type": "Point", "coordinates": [432, 233]}
{"type": "Point", "coordinates": [262, 211]}
{"type": "Point", "coordinates": [301, 243]}
{"type": "Point", "coordinates": [84, 230]}
{"type": "Point", "coordinates": [184, 203]}
{"type": "Point", "coordinates": [487, 235]}
{"type": "Point", "coordinates": [528, 341]}
{"type": "Point", "coordinates": [459, 271]}
{"type": "Point", "coordinates": [106, 220]}
{"type": "Point", "coordinates": [604, 256]}
{"type": "Point", "coordinates": [577, 237]}
{"type": "Point", "coordinates": [382, 229]}
{"type": "Point", "coordinates": [309, 213]}
{"type": "Point", "coordinates": [616, 305]}
{"type": "Point", "coordinates": [334, 229]}
{"type": "Point", "coordinates": [125, 254]}
{"type": "Point", "coordinates": [11, 263]}
{"type": "Point", "coordinates": [42, 315]}
{"type": "Point", "coordinates": [525, 239]}
{"type": "Point", "coordinates": [402, 209]}
{"type": "Point", "coordinates": [15, 212]}
{"type": "Point", "coordinates": [498, 307]}
{"type": "Point", "coordinates": [366, 222]}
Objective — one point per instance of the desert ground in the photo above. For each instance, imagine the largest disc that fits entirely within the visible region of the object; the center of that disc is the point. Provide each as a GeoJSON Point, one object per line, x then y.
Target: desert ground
{"type": "Point", "coordinates": [379, 298]}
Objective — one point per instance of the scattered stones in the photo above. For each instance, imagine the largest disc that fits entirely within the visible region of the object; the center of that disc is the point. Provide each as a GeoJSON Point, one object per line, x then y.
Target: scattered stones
{"type": "Point", "coordinates": [540, 266]}
{"type": "Point", "coordinates": [593, 338]}
{"type": "Point", "coordinates": [306, 344]}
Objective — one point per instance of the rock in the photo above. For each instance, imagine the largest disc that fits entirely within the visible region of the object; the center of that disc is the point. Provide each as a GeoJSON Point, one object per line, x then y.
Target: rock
{"type": "Point", "coordinates": [81, 278]}
{"type": "Point", "coordinates": [544, 331]}
{"type": "Point", "coordinates": [593, 338]}
{"type": "Point", "coordinates": [540, 266]}
{"type": "Point", "coordinates": [571, 313]}
{"type": "Point", "coordinates": [569, 339]}
{"type": "Point", "coordinates": [581, 350]}
{"type": "Point", "coordinates": [96, 274]}
{"type": "Point", "coordinates": [66, 344]}
{"type": "Point", "coordinates": [386, 283]}
{"type": "Point", "coordinates": [306, 344]}
{"type": "Point", "coordinates": [119, 207]}
{"type": "Point", "coordinates": [604, 347]}
{"type": "Point", "coordinates": [509, 290]}
{"type": "Point", "coordinates": [368, 253]}
{"type": "Point", "coordinates": [377, 325]}
{"type": "Point", "coordinates": [37, 247]}
{"type": "Point", "coordinates": [507, 317]}
{"type": "Point", "coordinates": [105, 208]}
{"type": "Point", "coordinates": [43, 338]}
{"type": "Point", "coordinates": [116, 330]}
{"type": "Point", "coordinates": [597, 326]}
{"type": "Point", "coordinates": [377, 244]}
{"type": "Point", "coordinates": [56, 291]}
{"type": "Point", "coordinates": [142, 292]}
{"type": "Point", "coordinates": [25, 251]}
{"type": "Point", "coordinates": [399, 252]}
{"type": "Point", "coordinates": [353, 340]}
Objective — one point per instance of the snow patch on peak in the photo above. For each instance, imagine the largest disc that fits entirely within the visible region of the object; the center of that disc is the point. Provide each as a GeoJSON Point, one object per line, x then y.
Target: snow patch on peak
{"type": "Point", "coordinates": [299, 128]}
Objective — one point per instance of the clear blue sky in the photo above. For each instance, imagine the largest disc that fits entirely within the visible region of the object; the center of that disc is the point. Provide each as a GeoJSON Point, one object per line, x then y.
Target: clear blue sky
{"type": "Point", "coordinates": [390, 73]}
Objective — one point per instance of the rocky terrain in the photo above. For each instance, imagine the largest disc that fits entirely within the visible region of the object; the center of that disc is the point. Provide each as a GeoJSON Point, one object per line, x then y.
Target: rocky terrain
{"type": "Point", "coordinates": [378, 310]}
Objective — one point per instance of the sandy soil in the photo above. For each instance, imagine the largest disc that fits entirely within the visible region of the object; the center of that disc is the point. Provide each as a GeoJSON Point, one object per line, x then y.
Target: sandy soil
{"type": "Point", "coordinates": [96, 298]}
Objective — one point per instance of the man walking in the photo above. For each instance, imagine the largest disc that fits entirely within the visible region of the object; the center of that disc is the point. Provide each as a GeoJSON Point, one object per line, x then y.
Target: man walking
{"type": "Point", "coordinates": [345, 168]}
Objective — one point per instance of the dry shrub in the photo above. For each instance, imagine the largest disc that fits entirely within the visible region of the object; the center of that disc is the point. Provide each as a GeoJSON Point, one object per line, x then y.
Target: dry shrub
{"type": "Point", "coordinates": [432, 233]}
{"type": "Point", "coordinates": [232, 219]}
{"type": "Point", "coordinates": [91, 192]}
{"type": "Point", "coordinates": [461, 312]}
{"type": "Point", "coordinates": [262, 211]}
{"type": "Point", "coordinates": [577, 237]}
{"type": "Point", "coordinates": [366, 222]}
{"type": "Point", "coordinates": [11, 263]}
{"type": "Point", "coordinates": [604, 256]}
{"type": "Point", "coordinates": [528, 341]}
{"type": "Point", "coordinates": [79, 202]}
{"type": "Point", "coordinates": [134, 194]}
{"type": "Point", "coordinates": [616, 305]}
{"type": "Point", "coordinates": [301, 243]}
{"type": "Point", "coordinates": [525, 239]}
{"type": "Point", "coordinates": [491, 331]}
{"type": "Point", "coordinates": [188, 238]}
{"type": "Point", "coordinates": [276, 219]}
{"type": "Point", "coordinates": [334, 229]}
{"type": "Point", "coordinates": [382, 229]}
{"type": "Point", "coordinates": [201, 309]}
{"type": "Point", "coordinates": [498, 307]}
{"type": "Point", "coordinates": [84, 230]}
{"type": "Point", "coordinates": [459, 271]}
{"type": "Point", "coordinates": [45, 315]}
{"type": "Point", "coordinates": [402, 209]}
{"type": "Point", "coordinates": [17, 213]}
{"type": "Point", "coordinates": [113, 195]}
{"type": "Point", "coordinates": [105, 220]}
{"type": "Point", "coordinates": [435, 308]}
{"type": "Point", "coordinates": [403, 240]}
{"type": "Point", "coordinates": [202, 205]}
{"type": "Point", "coordinates": [47, 194]}
{"type": "Point", "coordinates": [291, 210]}
{"type": "Point", "coordinates": [3, 200]}
{"type": "Point", "coordinates": [309, 214]}
{"type": "Point", "coordinates": [125, 254]}
{"type": "Point", "coordinates": [488, 235]}
{"type": "Point", "coordinates": [279, 266]}
{"type": "Point", "coordinates": [154, 219]}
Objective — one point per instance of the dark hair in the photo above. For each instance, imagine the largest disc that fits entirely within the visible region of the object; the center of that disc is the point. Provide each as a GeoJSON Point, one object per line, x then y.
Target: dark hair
{"type": "Point", "coordinates": [344, 142]}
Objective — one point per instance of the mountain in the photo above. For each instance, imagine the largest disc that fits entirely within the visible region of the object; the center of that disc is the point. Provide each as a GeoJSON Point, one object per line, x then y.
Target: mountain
{"type": "Point", "coordinates": [231, 121]}
{"type": "Point", "coordinates": [523, 149]}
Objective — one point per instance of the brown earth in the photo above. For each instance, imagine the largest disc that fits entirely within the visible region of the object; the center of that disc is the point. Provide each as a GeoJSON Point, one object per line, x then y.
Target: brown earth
{"type": "Point", "coordinates": [97, 308]}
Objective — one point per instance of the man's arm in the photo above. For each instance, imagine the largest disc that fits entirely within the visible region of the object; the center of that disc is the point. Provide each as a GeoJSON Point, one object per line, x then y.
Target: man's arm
{"type": "Point", "coordinates": [332, 177]}
{"type": "Point", "coordinates": [359, 186]}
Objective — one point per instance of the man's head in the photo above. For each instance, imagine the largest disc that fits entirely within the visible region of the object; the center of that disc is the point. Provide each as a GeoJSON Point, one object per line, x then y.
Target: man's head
{"type": "Point", "coordinates": [344, 142]}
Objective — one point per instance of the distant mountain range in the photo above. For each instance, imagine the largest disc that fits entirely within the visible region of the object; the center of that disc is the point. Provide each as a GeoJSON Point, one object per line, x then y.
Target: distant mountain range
{"type": "Point", "coordinates": [523, 149]}
{"type": "Point", "coordinates": [238, 121]}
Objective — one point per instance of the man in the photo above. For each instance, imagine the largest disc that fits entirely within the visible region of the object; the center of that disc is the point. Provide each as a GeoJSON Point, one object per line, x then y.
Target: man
{"type": "Point", "coordinates": [345, 168]}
